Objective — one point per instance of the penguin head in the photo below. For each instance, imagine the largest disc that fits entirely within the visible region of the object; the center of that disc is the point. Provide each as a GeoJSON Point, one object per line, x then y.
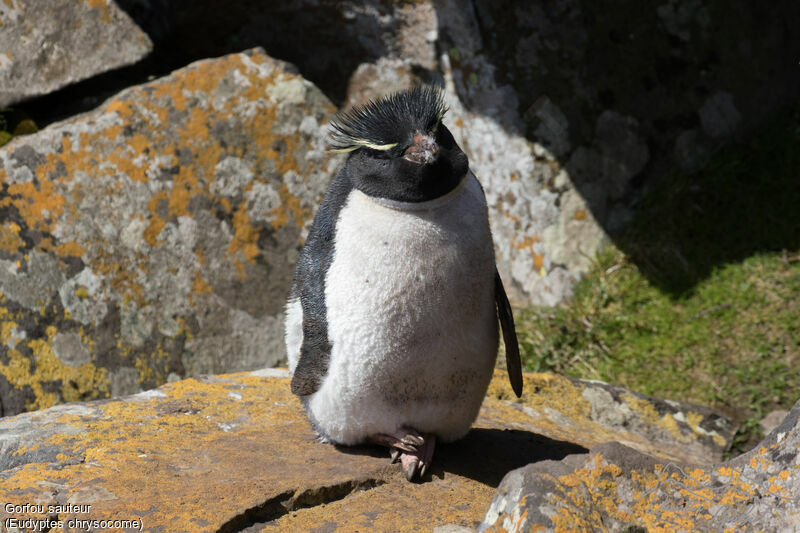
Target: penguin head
{"type": "Point", "coordinates": [399, 147]}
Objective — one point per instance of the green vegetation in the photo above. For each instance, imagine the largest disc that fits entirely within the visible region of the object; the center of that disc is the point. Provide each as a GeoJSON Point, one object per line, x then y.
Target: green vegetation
{"type": "Point", "coordinates": [700, 300]}
{"type": "Point", "coordinates": [14, 122]}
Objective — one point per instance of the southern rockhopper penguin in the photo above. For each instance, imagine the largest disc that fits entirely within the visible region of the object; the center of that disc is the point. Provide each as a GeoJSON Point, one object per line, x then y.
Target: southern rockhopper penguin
{"type": "Point", "coordinates": [391, 324]}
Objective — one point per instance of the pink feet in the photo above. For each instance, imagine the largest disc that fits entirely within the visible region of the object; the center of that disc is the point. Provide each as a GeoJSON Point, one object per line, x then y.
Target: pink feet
{"type": "Point", "coordinates": [412, 449]}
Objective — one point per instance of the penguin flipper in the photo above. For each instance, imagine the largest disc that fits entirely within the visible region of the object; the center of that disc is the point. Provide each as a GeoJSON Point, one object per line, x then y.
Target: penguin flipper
{"type": "Point", "coordinates": [513, 363]}
{"type": "Point", "coordinates": [312, 365]}
{"type": "Point", "coordinates": [309, 286]}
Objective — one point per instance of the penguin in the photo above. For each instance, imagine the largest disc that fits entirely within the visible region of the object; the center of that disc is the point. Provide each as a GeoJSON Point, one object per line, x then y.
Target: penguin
{"type": "Point", "coordinates": [392, 318]}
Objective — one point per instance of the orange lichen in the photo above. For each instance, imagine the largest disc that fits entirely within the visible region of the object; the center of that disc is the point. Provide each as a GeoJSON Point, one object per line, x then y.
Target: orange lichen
{"type": "Point", "coordinates": [290, 206]}
{"type": "Point", "coordinates": [102, 5]}
{"type": "Point", "coordinates": [245, 240]}
{"type": "Point", "coordinates": [200, 285]}
{"type": "Point", "coordinates": [527, 241]}
{"type": "Point", "coordinates": [38, 206]}
{"type": "Point", "coordinates": [122, 107]}
{"type": "Point", "coordinates": [157, 223]}
{"type": "Point", "coordinates": [69, 249]}
{"type": "Point", "coordinates": [10, 240]}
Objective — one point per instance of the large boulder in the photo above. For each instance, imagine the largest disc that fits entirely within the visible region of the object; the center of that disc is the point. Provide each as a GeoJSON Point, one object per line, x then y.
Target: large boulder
{"type": "Point", "coordinates": [47, 44]}
{"type": "Point", "coordinates": [155, 237]}
{"type": "Point", "coordinates": [610, 97]}
{"type": "Point", "coordinates": [230, 452]}
{"type": "Point", "coordinates": [625, 490]}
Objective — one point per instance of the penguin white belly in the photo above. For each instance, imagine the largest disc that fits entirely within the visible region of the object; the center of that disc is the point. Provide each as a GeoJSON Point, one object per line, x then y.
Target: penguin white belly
{"type": "Point", "coordinates": [411, 317]}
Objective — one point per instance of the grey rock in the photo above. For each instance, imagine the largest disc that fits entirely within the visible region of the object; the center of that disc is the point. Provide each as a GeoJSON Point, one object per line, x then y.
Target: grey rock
{"type": "Point", "coordinates": [576, 237]}
{"type": "Point", "coordinates": [681, 17]}
{"type": "Point", "coordinates": [719, 115]}
{"type": "Point", "coordinates": [588, 413]}
{"type": "Point", "coordinates": [630, 84]}
{"type": "Point", "coordinates": [624, 152]}
{"type": "Point", "coordinates": [46, 45]}
{"type": "Point", "coordinates": [124, 381]}
{"type": "Point", "coordinates": [605, 410]}
{"type": "Point", "coordinates": [453, 528]}
{"type": "Point", "coordinates": [70, 349]}
{"type": "Point", "coordinates": [158, 233]}
{"type": "Point", "coordinates": [327, 40]}
{"type": "Point", "coordinates": [552, 127]}
{"type": "Point", "coordinates": [773, 420]}
{"type": "Point", "coordinates": [692, 151]}
{"type": "Point", "coordinates": [374, 80]}
{"type": "Point", "coordinates": [622, 488]}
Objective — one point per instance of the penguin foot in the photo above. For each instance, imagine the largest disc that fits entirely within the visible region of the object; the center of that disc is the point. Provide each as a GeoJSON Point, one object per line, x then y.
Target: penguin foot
{"type": "Point", "coordinates": [417, 463]}
{"type": "Point", "coordinates": [413, 450]}
{"type": "Point", "coordinates": [403, 439]}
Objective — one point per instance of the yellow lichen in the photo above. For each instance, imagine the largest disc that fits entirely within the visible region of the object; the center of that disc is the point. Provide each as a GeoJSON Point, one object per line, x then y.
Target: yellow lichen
{"type": "Point", "coordinates": [10, 240]}
{"type": "Point", "coordinates": [245, 240]}
{"type": "Point", "coordinates": [77, 383]}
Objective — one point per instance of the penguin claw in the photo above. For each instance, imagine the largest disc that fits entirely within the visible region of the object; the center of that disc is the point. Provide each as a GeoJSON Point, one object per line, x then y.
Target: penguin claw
{"type": "Point", "coordinates": [413, 440]}
{"type": "Point", "coordinates": [393, 441]}
{"type": "Point", "coordinates": [427, 454]}
{"type": "Point", "coordinates": [413, 450]}
{"type": "Point", "coordinates": [410, 465]}
{"type": "Point", "coordinates": [416, 464]}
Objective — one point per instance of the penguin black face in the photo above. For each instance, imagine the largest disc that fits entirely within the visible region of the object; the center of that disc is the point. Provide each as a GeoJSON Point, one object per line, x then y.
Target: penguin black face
{"type": "Point", "coordinates": [400, 148]}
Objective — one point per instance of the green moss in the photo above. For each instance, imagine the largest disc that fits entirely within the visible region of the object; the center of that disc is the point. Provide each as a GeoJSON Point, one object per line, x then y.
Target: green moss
{"type": "Point", "coordinates": [14, 122]}
{"type": "Point", "coordinates": [702, 304]}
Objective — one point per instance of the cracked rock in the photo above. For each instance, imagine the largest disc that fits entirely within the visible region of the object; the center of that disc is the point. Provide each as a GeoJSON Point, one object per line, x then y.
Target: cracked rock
{"type": "Point", "coordinates": [235, 452]}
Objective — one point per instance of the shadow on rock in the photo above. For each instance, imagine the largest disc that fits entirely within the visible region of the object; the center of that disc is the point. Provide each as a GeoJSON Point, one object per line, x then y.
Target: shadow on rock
{"type": "Point", "coordinates": [484, 455]}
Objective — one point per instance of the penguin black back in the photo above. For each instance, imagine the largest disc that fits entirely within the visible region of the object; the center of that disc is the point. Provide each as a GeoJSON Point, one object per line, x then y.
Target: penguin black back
{"type": "Point", "coordinates": [400, 149]}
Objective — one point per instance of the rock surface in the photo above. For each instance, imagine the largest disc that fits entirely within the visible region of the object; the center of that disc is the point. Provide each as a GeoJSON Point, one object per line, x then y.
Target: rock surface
{"type": "Point", "coordinates": [224, 453]}
{"type": "Point", "coordinates": [47, 44]}
{"type": "Point", "coordinates": [156, 236]}
{"type": "Point", "coordinates": [625, 490]}
{"type": "Point", "coordinates": [591, 412]}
